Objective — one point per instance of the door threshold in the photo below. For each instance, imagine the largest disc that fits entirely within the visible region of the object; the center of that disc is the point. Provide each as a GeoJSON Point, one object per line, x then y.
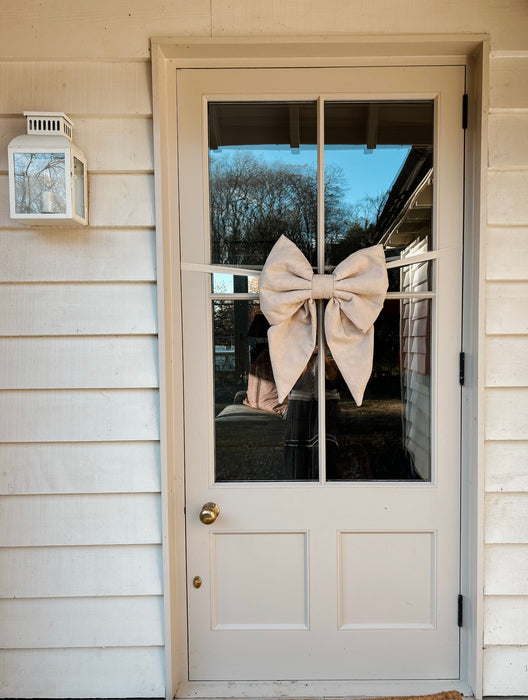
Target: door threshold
{"type": "Point", "coordinates": [317, 689]}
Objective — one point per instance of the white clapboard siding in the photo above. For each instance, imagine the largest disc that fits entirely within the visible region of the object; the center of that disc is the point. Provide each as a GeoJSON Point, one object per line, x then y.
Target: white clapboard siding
{"type": "Point", "coordinates": [506, 466]}
{"type": "Point", "coordinates": [5, 220]}
{"type": "Point", "coordinates": [109, 143]}
{"type": "Point", "coordinates": [77, 255]}
{"type": "Point", "coordinates": [505, 670]}
{"type": "Point", "coordinates": [106, 362]}
{"type": "Point", "coordinates": [82, 468]}
{"type": "Point", "coordinates": [122, 200]}
{"type": "Point", "coordinates": [506, 620]}
{"type": "Point", "coordinates": [507, 308]}
{"type": "Point", "coordinates": [9, 128]}
{"type": "Point", "coordinates": [363, 17]}
{"type": "Point", "coordinates": [506, 521]}
{"type": "Point", "coordinates": [507, 142]}
{"type": "Point", "coordinates": [116, 199]}
{"type": "Point", "coordinates": [135, 570]}
{"type": "Point", "coordinates": [81, 622]}
{"type": "Point", "coordinates": [506, 568]}
{"type": "Point", "coordinates": [80, 520]}
{"type": "Point", "coordinates": [111, 672]}
{"type": "Point", "coordinates": [509, 82]}
{"type": "Point", "coordinates": [117, 143]}
{"type": "Point", "coordinates": [506, 363]}
{"type": "Point", "coordinates": [33, 521]}
{"type": "Point", "coordinates": [79, 415]}
{"type": "Point", "coordinates": [78, 309]}
{"type": "Point", "coordinates": [506, 414]}
{"type": "Point", "coordinates": [76, 87]}
{"type": "Point", "coordinates": [108, 31]}
{"type": "Point", "coordinates": [506, 518]}
{"type": "Point", "coordinates": [505, 206]}
{"type": "Point", "coordinates": [507, 253]}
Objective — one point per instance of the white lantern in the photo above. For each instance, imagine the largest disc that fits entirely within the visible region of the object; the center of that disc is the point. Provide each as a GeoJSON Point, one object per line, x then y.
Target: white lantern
{"type": "Point", "coordinates": [48, 175]}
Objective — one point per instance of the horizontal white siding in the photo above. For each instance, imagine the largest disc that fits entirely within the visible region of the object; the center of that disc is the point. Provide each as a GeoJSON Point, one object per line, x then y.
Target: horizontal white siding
{"type": "Point", "coordinates": [62, 362]}
{"type": "Point", "coordinates": [506, 466]}
{"type": "Point", "coordinates": [111, 30]}
{"type": "Point", "coordinates": [134, 192]}
{"type": "Point", "coordinates": [82, 673]}
{"type": "Point", "coordinates": [96, 255]}
{"type": "Point", "coordinates": [81, 585]}
{"type": "Point", "coordinates": [81, 622]}
{"type": "Point", "coordinates": [505, 671]}
{"type": "Point", "coordinates": [80, 89]}
{"type": "Point", "coordinates": [506, 377]}
{"type": "Point", "coordinates": [114, 143]}
{"type": "Point", "coordinates": [506, 569]}
{"type": "Point", "coordinates": [80, 467]}
{"type": "Point", "coordinates": [80, 416]}
{"type": "Point", "coordinates": [69, 520]}
{"type": "Point", "coordinates": [100, 571]}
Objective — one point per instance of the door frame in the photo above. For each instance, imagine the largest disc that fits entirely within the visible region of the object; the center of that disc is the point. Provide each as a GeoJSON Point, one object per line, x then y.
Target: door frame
{"type": "Point", "coordinates": [169, 55]}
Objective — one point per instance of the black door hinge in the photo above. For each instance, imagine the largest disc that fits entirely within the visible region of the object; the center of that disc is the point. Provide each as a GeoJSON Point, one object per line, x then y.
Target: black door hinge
{"type": "Point", "coordinates": [464, 110]}
{"type": "Point", "coordinates": [462, 368]}
{"type": "Point", "coordinates": [460, 610]}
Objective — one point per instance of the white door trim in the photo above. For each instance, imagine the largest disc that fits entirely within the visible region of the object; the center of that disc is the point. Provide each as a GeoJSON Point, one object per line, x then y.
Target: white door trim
{"type": "Point", "coordinates": [167, 56]}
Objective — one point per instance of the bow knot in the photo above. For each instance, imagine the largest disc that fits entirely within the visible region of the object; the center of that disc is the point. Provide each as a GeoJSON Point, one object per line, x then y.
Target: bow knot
{"type": "Point", "coordinates": [355, 292]}
{"type": "Point", "coordinates": [322, 286]}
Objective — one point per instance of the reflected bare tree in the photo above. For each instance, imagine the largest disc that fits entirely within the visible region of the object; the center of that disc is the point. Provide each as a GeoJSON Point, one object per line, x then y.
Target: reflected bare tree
{"type": "Point", "coordinates": [35, 175]}
{"type": "Point", "coordinates": [253, 202]}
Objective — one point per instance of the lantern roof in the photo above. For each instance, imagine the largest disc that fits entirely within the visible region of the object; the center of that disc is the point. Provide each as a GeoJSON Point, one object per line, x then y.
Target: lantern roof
{"type": "Point", "coordinates": [49, 124]}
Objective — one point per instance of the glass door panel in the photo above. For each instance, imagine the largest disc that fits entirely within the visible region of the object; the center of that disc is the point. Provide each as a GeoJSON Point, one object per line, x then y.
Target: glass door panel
{"type": "Point", "coordinates": [264, 182]}
{"type": "Point", "coordinates": [262, 179]}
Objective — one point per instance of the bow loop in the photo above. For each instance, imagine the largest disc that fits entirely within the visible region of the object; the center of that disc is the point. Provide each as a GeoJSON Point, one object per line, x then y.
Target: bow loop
{"type": "Point", "coordinates": [356, 292]}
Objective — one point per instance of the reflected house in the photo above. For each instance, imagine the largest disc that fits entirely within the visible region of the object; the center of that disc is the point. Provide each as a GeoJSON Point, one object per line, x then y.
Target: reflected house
{"type": "Point", "coordinates": [224, 358]}
{"type": "Point", "coordinates": [406, 225]}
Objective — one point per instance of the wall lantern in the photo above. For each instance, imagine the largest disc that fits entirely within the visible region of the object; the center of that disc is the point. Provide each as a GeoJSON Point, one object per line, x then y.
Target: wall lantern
{"type": "Point", "coordinates": [47, 173]}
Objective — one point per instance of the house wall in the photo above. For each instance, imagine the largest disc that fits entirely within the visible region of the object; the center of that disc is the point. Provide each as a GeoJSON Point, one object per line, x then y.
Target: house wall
{"type": "Point", "coordinates": [81, 608]}
{"type": "Point", "coordinates": [506, 381]}
{"type": "Point", "coordinates": [80, 525]}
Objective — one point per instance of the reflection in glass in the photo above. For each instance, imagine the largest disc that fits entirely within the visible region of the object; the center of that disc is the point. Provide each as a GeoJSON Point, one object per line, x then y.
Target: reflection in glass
{"type": "Point", "coordinates": [40, 186]}
{"type": "Point", "coordinates": [388, 436]}
{"type": "Point", "coordinates": [258, 438]}
{"type": "Point", "coordinates": [301, 450]}
{"type": "Point", "coordinates": [420, 274]}
{"type": "Point", "coordinates": [262, 179]}
{"type": "Point", "coordinates": [378, 188]}
{"type": "Point", "coordinates": [376, 155]}
{"type": "Point", "coordinates": [249, 424]}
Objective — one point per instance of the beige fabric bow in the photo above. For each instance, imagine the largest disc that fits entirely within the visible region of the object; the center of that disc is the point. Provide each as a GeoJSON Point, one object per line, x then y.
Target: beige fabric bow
{"type": "Point", "coordinates": [355, 292]}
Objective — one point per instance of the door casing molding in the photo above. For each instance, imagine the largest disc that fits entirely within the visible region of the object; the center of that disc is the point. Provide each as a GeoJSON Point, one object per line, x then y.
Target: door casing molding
{"type": "Point", "coordinates": [171, 54]}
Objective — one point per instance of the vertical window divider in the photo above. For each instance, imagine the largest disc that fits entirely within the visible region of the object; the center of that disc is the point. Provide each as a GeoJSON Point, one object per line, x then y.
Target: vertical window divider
{"type": "Point", "coordinates": [321, 382]}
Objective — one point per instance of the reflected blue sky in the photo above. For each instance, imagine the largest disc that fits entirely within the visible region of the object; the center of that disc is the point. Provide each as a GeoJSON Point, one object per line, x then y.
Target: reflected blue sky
{"type": "Point", "coordinates": [366, 172]}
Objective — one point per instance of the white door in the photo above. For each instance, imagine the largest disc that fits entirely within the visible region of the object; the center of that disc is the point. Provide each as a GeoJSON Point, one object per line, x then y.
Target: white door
{"type": "Point", "coordinates": [335, 558]}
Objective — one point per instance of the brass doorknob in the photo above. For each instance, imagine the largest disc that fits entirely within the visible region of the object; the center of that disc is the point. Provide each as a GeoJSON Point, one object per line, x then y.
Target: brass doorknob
{"type": "Point", "coordinates": [209, 513]}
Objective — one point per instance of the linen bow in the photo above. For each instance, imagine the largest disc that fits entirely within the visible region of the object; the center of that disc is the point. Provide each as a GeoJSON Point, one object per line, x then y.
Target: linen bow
{"type": "Point", "coordinates": [355, 291]}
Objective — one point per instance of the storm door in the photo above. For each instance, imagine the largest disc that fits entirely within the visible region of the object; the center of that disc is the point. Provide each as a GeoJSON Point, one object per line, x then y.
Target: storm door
{"type": "Point", "coordinates": [322, 536]}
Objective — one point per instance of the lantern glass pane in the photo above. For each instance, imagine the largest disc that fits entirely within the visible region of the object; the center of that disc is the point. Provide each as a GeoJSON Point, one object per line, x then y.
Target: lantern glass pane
{"type": "Point", "coordinates": [40, 183]}
{"type": "Point", "coordinates": [78, 186]}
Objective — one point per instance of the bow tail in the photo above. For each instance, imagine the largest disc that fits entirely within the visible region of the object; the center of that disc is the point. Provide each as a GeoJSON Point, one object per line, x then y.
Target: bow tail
{"type": "Point", "coordinates": [351, 348]}
{"type": "Point", "coordinates": [291, 344]}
